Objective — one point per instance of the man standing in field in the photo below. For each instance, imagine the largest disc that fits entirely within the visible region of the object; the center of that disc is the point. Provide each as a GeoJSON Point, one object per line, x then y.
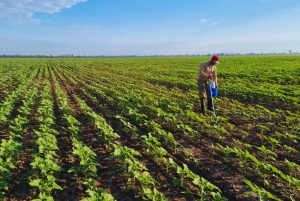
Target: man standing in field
{"type": "Point", "coordinates": [207, 71]}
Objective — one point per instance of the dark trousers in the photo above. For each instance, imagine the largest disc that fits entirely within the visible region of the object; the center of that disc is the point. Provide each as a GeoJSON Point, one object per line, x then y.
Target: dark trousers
{"type": "Point", "coordinates": [205, 96]}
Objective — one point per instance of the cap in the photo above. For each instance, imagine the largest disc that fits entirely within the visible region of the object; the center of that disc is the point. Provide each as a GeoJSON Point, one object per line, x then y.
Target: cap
{"type": "Point", "coordinates": [215, 58]}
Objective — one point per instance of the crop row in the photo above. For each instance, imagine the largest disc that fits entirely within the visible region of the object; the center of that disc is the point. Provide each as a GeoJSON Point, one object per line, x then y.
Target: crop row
{"type": "Point", "coordinates": [10, 147]}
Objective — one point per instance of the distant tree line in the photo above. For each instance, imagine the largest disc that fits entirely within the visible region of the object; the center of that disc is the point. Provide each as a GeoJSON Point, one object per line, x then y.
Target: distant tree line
{"type": "Point", "coordinates": [179, 55]}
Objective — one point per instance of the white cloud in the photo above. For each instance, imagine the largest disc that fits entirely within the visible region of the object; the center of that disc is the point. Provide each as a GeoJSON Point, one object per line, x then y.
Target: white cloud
{"type": "Point", "coordinates": [20, 11]}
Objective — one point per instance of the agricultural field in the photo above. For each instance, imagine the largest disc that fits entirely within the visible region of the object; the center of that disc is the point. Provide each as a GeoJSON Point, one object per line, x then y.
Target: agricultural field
{"type": "Point", "coordinates": [130, 129]}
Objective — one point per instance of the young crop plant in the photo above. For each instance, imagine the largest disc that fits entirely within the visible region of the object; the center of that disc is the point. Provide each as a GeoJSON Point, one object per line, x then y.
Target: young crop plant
{"type": "Point", "coordinates": [262, 194]}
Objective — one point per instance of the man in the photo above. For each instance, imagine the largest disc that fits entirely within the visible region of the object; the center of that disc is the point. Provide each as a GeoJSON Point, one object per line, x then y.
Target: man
{"type": "Point", "coordinates": [207, 71]}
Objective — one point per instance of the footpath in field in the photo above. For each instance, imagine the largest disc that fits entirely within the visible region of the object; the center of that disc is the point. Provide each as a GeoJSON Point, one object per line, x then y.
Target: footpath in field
{"type": "Point", "coordinates": [129, 129]}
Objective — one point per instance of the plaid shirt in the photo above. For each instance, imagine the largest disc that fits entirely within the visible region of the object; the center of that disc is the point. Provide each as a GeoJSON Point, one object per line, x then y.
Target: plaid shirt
{"type": "Point", "coordinates": [206, 71]}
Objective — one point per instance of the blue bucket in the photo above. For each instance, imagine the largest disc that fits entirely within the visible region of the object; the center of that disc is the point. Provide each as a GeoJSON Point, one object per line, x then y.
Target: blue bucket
{"type": "Point", "coordinates": [213, 91]}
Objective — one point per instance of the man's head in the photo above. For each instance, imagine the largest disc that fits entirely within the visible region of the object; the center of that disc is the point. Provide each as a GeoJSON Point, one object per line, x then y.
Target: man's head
{"type": "Point", "coordinates": [214, 60]}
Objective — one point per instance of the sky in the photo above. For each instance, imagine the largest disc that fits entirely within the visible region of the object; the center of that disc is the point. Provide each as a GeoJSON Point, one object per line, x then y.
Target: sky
{"type": "Point", "coordinates": [148, 27]}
